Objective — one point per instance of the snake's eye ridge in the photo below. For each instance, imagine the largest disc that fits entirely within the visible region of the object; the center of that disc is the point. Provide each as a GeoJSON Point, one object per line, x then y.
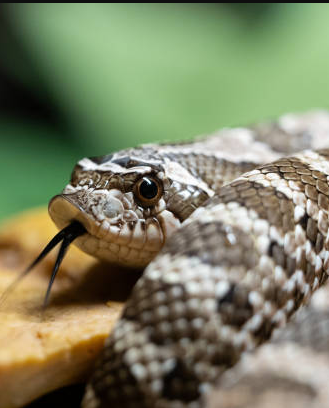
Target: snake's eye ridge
{"type": "Point", "coordinates": [148, 190]}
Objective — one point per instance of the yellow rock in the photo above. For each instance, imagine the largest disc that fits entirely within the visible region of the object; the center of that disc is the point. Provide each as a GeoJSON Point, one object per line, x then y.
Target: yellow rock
{"type": "Point", "coordinates": [44, 350]}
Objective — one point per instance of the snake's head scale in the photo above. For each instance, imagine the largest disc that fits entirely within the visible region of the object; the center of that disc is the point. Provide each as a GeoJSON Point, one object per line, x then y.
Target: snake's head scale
{"type": "Point", "coordinates": [129, 202]}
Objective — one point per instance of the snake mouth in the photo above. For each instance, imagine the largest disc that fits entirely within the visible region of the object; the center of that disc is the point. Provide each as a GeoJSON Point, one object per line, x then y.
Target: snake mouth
{"type": "Point", "coordinates": [65, 209]}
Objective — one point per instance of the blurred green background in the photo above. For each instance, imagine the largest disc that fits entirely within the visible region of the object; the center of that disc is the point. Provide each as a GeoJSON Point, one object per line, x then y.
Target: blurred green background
{"type": "Point", "coordinates": [86, 79]}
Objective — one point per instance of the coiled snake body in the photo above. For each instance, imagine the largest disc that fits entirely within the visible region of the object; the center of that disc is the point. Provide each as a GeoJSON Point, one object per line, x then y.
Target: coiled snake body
{"type": "Point", "coordinates": [236, 258]}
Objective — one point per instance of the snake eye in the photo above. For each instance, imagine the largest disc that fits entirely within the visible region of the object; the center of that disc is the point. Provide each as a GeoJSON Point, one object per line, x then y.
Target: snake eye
{"type": "Point", "coordinates": [148, 190]}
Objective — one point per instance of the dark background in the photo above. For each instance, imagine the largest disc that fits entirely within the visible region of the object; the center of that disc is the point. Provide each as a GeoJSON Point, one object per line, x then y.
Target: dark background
{"type": "Point", "coordinates": [85, 79]}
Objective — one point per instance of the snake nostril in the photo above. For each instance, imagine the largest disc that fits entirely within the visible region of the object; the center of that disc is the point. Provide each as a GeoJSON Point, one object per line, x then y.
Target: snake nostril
{"type": "Point", "coordinates": [113, 208]}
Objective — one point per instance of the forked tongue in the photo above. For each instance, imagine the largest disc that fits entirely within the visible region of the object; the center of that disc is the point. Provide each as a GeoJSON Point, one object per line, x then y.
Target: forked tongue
{"type": "Point", "coordinates": [67, 235]}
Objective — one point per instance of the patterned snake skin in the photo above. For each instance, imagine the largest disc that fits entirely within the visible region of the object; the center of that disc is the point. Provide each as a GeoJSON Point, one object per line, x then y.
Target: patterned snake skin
{"type": "Point", "coordinates": [237, 258]}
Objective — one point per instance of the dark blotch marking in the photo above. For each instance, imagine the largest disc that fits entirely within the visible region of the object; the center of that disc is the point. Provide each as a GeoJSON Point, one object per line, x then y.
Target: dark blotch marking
{"type": "Point", "coordinates": [265, 331]}
{"type": "Point", "coordinates": [312, 231]}
{"type": "Point", "coordinates": [131, 225]}
{"type": "Point", "coordinates": [270, 249]}
{"type": "Point", "coordinates": [276, 252]}
{"type": "Point", "coordinates": [323, 278]}
{"type": "Point", "coordinates": [303, 221]}
{"type": "Point", "coordinates": [128, 162]}
{"type": "Point", "coordinates": [228, 297]}
{"type": "Point", "coordinates": [101, 159]}
{"type": "Point", "coordinates": [123, 161]}
{"type": "Point", "coordinates": [114, 395]}
{"type": "Point", "coordinates": [180, 383]}
{"type": "Point", "coordinates": [234, 306]}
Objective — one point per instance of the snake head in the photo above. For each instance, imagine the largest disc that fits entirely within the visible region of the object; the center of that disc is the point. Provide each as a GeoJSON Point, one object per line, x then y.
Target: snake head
{"type": "Point", "coordinates": [129, 202]}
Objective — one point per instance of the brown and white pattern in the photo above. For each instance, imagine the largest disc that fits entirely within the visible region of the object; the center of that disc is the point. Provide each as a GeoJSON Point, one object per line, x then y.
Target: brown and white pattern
{"type": "Point", "coordinates": [292, 370]}
{"type": "Point", "coordinates": [233, 260]}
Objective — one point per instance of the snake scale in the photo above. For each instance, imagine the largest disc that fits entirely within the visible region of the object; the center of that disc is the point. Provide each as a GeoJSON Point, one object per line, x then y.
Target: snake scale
{"type": "Point", "coordinates": [233, 231]}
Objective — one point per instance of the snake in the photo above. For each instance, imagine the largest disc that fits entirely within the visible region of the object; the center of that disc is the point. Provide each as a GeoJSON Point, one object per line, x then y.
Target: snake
{"type": "Point", "coordinates": [231, 233]}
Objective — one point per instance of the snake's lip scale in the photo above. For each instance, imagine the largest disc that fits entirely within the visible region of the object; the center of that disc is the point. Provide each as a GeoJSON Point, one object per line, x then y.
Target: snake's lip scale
{"type": "Point", "coordinates": [64, 208]}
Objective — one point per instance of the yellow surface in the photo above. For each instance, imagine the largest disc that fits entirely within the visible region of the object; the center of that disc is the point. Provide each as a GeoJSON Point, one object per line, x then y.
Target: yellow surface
{"type": "Point", "coordinates": [41, 351]}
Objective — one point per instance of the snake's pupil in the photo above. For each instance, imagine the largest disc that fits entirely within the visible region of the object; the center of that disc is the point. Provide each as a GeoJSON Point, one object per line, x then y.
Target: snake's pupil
{"type": "Point", "coordinates": [148, 188]}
